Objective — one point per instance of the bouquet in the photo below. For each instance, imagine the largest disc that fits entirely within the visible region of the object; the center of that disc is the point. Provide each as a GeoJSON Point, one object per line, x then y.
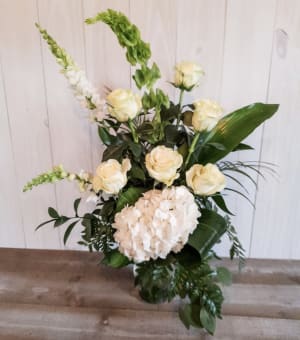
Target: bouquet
{"type": "Point", "coordinates": [160, 186]}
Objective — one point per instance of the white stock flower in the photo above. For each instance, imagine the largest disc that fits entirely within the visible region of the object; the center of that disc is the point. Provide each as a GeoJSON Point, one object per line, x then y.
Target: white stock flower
{"type": "Point", "coordinates": [82, 88]}
{"type": "Point", "coordinates": [162, 164]}
{"type": "Point", "coordinates": [205, 179]}
{"type": "Point", "coordinates": [187, 74]}
{"type": "Point", "coordinates": [158, 223]}
{"type": "Point", "coordinates": [111, 176]}
{"type": "Point", "coordinates": [123, 104]}
{"type": "Point", "coordinates": [206, 114]}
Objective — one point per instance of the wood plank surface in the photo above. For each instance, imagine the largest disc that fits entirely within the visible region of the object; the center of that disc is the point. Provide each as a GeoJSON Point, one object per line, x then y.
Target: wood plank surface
{"type": "Point", "coordinates": [246, 64]}
{"type": "Point", "coordinates": [68, 122]}
{"type": "Point", "coordinates": [11, 213]}
{"type": "Point", "coordinates": [276, 230]}
{"type": "Point", "coordinates": [28, 116]}
{"type": "Point", "coordinates": [66, 295]}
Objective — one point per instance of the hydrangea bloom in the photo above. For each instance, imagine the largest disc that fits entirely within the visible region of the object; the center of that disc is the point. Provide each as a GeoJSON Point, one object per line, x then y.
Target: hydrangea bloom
{"type": "Point", "coordinates": [158, 223]}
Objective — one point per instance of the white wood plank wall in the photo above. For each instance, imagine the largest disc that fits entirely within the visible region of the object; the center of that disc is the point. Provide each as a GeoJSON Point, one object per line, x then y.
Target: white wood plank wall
{"type": "Point", "coordinates": [250, 51]}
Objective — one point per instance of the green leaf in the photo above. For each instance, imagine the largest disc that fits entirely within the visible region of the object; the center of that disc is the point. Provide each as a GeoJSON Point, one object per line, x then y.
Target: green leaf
{"type": "Point", "coordinates": [106, 137]}
{"type": "Point", "coordinates": [243, 146]}
{"type": "Point", "coordinates": [44, 223]}
{"type": "Point", "coordinates": [69, 230]}
{"type": "Point", "coordinates": [224, 276]}
{"type": "Point", "coordinates": [190, 315]}
{"type": "Point", "coordinates": [185, 315]}
{"type": "Point", "coordinates": [169, 113]}
{"type": "Point", "coordinates": [209, 231]}
{"type": "Point", "coordinates": [174, 135]}
{"type": "Point", "coordinates": [217, 146]}
{"type": "Point", "coordinates": [208, 321]}
{"type": "Point", "coordinates": [137, 172]}
{"type": "Point", "coordinates": [234, 128]}
{"type": "Point", "coordinates": [220, 202]}
{"type": "Point", "coordinates": [76, 205]}
{"type": "Point", "coordinates": [183, 150]}
{"type": "Point", "coordinates": [129, 197]}
{"type": "Point", "coordinates": [61, 220]}
{"type": "Point", "coordinates": [136, 150]}
{"type": "Point", "coordinates": [53, 213]}
{"type": "Point", "coordinates": [114, 152]}
{"type": "Point", "coordinates": [115, 259]}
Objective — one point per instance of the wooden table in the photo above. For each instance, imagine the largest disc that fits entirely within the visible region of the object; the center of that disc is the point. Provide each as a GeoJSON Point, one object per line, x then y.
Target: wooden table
{"type": "Point", "coordinates": [65, 295]}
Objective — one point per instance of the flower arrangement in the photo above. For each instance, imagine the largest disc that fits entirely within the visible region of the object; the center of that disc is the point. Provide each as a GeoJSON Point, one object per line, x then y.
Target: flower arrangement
{"type": "Point", "coordinates": [160, 186]}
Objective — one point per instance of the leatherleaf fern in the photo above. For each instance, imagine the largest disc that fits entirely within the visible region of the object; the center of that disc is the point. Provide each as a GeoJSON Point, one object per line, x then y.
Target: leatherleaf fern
{"type": "Point", "coordinates": [188, 276]}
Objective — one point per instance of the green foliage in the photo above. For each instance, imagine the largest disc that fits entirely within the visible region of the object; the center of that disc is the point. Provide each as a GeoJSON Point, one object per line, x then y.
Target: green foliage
{"type": "Point", "coordinates": [146, 76]}
{"type": "Point", "coordinates": [155, 278]}
{"type": "Point", "coordinates": [128, 35]}
{"type": "Point", "coordinates": [236, 249]}
{"type": "Point", "coordinates": [128, 197]}
{"type": "Point", "coordinates": [207, 320]}
{"type": "Point", "coordinates": [155, 100]}
{"type": "Point", "coordinates": [56, 174]}
{"type": "Point", "coordinates": [243, 146]}
{"type": "Point", "coordinates": [220, 202]}
{"type": "Point", "coordinates": [62, 57]}
{"type": "Point", "coordinates": [137, 50]}
{"type": "Point", "coordinates": [115, 259]}
{"type": "Point", "coordinates": [106, 138]}
{"type": "Point", "coordinates": [185, 275]}
{"type": "Point", "coordinates": [234, 128]}
{"type": "Point", "coordinates": [209, 231]}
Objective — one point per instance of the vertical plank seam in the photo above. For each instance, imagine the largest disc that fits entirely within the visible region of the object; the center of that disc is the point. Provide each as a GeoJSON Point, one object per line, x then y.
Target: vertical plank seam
{"type": "Point", "coordinates": [223, 51]}
{"type": "Point", "coordinates": [48, 118]}
{"type": "Point", "coordinates": [12, 149]}
{"type": "Point", "coordinates": [263, 129]}
{"type": "Point", "coordinates": [86, 70]}
{"type": "Point", "coordinates": [176, 45]}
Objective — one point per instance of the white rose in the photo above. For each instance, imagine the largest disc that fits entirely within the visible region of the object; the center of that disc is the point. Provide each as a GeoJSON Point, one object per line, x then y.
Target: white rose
{"type": "Point", "coordinates": [123, 104]}
{"type": "Point", "coordinates": [111, 176]}
{"type": "Point", "coordinates": [205, 179]}
{"type": "Point", "coordinates": [206, 114]}
{"type": "Point", "coordinates": [187, 74]}
{"type": "Point", "coordinates": [162, 164]}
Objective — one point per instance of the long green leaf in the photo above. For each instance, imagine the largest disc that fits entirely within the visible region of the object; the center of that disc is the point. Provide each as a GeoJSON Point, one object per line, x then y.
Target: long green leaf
{"type": "Point", "coordinates": [69, 230]}
{"type": "Point", "coordinates": [234, 128]}
{"type": "Point", "coordinates": [209, 231]}
{"type": "Point", "coordinates": [128, 197]}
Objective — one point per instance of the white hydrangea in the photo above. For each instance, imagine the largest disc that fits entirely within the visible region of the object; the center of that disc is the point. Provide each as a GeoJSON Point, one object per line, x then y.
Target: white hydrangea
{"type": "Point", "coordinates": [82, 88]}
{"type": "Point", "coordinates": [158, 223]}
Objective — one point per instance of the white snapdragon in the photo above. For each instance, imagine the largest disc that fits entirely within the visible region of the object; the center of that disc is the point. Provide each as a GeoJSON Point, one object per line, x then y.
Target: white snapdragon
{"type": "Point", "coordinates": [158, 223]}
{"type": "Point", "coordinates": [82, 88]}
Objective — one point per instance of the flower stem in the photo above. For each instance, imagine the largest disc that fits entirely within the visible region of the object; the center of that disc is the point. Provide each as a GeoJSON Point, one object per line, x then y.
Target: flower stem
{"type": "Point", "coordinates": [180, 105]}
{"type": "Point", "coordinates": [192, 148]}
{"type": "Point", "coordinates": [133, 131]}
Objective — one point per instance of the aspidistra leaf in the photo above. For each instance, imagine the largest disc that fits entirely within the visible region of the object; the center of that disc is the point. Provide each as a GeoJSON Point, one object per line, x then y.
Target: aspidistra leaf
{"type": "Point", "coordinates": [129, 197]}
{"type": "Point", "coordinates": [210, 229]}
{"type": "Point", "coordinates": [234, 128]}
